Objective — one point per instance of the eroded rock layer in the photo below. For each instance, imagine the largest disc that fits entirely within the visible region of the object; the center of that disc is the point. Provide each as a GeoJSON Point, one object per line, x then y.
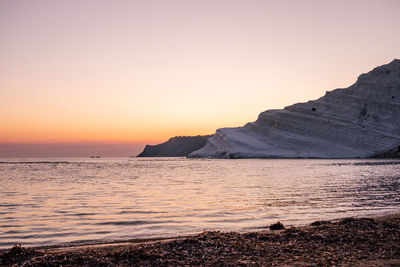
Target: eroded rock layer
{"type": "Point", "coordinates": [359, 121]}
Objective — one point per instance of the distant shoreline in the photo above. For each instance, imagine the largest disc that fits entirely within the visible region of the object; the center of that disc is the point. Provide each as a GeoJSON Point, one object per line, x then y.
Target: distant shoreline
{"type": "Point", "coordinates": [349, 241]}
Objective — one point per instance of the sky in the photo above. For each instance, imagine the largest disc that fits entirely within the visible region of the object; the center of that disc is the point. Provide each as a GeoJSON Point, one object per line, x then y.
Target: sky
{"type": "Point", "coordinates": [108, 77]}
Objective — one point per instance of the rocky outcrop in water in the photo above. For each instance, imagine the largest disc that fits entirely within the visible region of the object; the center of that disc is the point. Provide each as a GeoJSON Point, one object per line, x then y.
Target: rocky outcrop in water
{"type": "Point", "coordinates": [179, 146]}
{"type": "Point", "coordinates": [360, 121]}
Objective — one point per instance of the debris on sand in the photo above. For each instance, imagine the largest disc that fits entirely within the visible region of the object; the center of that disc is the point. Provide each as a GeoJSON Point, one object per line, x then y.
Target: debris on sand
{"type": "Point", "coordinates": [318, 223]}
{"type": "Point", "coordinates": [348, 242]}
{"type": "Point", "coordinates": [277, 226]}
{"type": "Point", "coordinates": [18, 254]}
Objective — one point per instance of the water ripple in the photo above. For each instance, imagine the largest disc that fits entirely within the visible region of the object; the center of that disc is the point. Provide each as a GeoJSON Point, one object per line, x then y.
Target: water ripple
{"type": "Point", "coordinates": [53, 201]}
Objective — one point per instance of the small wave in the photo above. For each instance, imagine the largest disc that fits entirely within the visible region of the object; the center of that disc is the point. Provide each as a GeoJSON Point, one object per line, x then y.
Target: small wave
{"type": "Point", "coordinates": [9, 205]}
{"type": "Point", "coordinates": [210, 214]}
{"type": "Point", "coordinates": [12, 232]}
{"type": "Point", "coordinates": [101, 232]}
{"type": "Point", "coordinates": [366, 163]}
{"type": "Point", "coordinates": [46, 236]}
{"type": "Point", "coordinates": [18, 237]}
{"type": "Point", "coordinates": [36, 162]}
{"type": "Point", "coordinates": [10, 225]}
{"type": "Point", "coordinates": [139, 212]}
{"type": "Point", "coordinates": [133, 222]}
{"type": "Point", "coordinates": [84, 214]}
{"type": "Point", "coordinates": [230, 220]}
{"type": "Point", "coordinates": [4, 245]}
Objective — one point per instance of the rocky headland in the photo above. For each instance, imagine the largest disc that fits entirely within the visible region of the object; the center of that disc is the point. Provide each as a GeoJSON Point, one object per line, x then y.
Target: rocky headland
{"type": "Point", "coordinates": [179, 146]}
{"type": "Point", "coordinates": [360, 121]}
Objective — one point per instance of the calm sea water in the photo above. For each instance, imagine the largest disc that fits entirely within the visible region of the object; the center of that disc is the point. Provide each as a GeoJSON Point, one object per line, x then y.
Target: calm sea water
{"type": "Point", "coordinates": [53, 201]}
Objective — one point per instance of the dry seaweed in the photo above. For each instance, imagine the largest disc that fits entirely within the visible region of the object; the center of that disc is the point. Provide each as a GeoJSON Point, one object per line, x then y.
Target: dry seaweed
{"type": "Point", "coordinates": [349, 242]}
{"type": "Point", "coordinates": [18, 254]}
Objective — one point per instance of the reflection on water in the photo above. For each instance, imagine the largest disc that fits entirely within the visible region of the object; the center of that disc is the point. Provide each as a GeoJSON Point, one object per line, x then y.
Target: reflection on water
{"type": "Point", "coordinates": [55, 201]}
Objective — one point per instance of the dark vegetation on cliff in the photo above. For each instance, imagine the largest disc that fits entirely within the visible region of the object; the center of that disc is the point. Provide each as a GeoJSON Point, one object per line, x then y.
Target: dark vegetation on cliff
{"type": "Point", "coordinates": [179, 146]}
{"type": "Point", "coordinates": [392, 153]}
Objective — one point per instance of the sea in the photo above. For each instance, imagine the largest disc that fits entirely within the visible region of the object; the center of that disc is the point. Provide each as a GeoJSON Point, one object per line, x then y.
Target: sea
{"type": "Point", "coordinates": [69, 201]}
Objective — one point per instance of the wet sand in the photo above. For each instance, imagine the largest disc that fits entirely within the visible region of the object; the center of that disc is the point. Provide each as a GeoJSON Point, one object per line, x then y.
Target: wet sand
{"type": "Point", "coordinates": [345, 242]}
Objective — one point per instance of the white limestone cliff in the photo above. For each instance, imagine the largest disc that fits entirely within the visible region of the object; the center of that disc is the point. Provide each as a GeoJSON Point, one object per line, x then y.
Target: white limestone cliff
{"type": "Point", "coordinates": [358, 121]}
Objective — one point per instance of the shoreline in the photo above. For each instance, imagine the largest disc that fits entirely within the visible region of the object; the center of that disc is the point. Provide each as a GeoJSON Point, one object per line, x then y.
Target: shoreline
{"type": "Point", "coordinates": [73, 245]}
{"type": "Point", "coordinates": [373, 241]}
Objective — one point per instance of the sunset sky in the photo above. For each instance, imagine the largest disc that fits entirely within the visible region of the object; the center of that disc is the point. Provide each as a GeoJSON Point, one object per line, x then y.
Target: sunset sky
{"type": "Point", "coordinates": [107, 77]}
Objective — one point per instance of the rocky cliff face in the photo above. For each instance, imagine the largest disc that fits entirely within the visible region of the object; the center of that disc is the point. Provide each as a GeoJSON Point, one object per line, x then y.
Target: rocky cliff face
{"type": "Point", "coordinates": [179, 146]}
{"type": "Point", "coordinates": [360, 121]}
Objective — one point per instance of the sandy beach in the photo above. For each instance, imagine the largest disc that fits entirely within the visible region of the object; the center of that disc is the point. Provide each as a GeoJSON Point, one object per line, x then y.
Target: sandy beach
{"type": "Point", "coordinates": [345, 242]}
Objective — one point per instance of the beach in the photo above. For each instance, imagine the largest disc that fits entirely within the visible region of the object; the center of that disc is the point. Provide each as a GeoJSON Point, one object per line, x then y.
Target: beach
{"type": "Point", "coordinates": [345, 242]}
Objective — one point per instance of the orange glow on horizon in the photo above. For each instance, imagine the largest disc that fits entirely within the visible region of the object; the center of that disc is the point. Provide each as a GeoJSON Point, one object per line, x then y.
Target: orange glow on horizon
{"type": "Point", "coordinates": [92, 135]}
